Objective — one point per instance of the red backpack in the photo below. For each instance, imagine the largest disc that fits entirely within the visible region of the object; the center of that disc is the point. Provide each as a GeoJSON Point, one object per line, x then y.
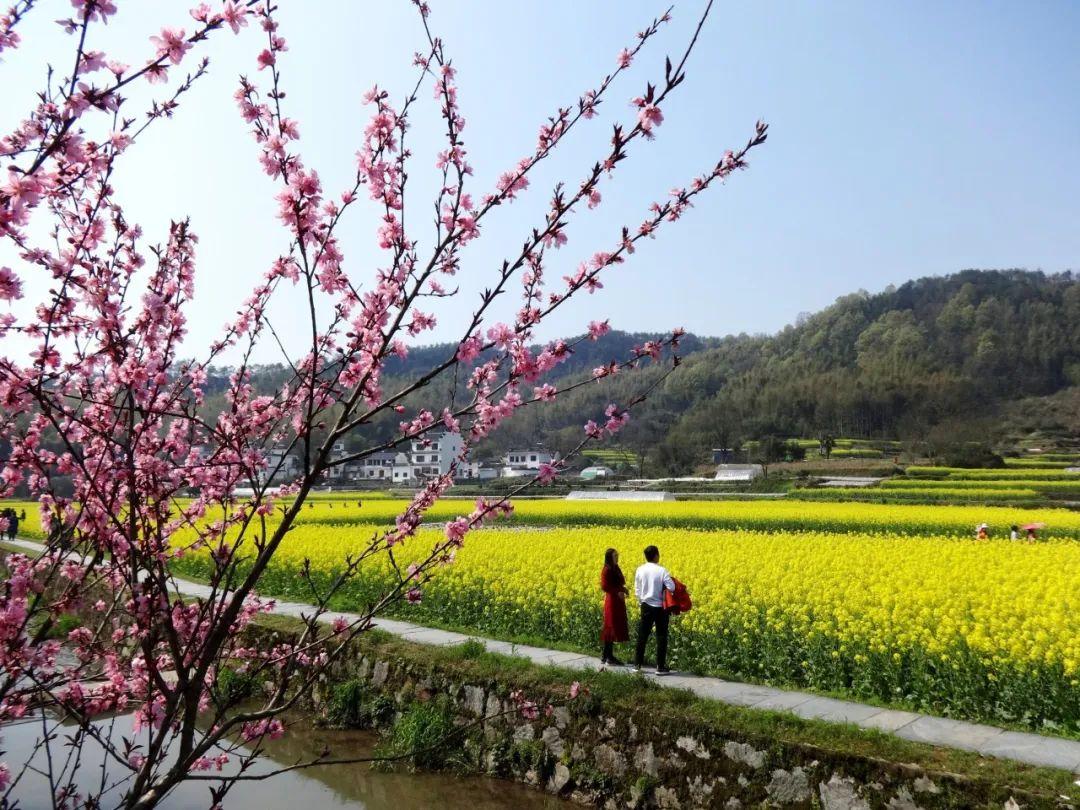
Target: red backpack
{"type": "Point", "coordinates": [678, 600]}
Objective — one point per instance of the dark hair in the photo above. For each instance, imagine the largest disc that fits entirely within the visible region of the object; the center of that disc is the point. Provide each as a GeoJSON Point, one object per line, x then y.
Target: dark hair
{"type": "Point", "coordinates": [652, 553]}
{"type": "Point", "coordinates": [617, 577]}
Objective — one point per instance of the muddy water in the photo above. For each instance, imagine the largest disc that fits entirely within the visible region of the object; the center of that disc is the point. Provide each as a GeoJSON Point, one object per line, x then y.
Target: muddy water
{"type": "Point", "coordinates": [330, 786]}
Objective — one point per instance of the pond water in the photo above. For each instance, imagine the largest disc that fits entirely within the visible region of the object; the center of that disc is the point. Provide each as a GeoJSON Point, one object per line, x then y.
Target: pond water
{"type": "Point", "coordinates": [328, 786]}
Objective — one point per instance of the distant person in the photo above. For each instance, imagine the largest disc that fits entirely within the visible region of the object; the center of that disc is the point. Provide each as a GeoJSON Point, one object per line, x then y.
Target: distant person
{"type": "Point", "coordinates": [983, 532]}
{"type": "Point", "coordinates": [1031, 536]}
{"type": "Point", "coordinates": [650, 582]}
{"type": "Point", "coordinates": [616, 629]}
{"type": "Point", "coordinates": [12, 524]}
{"type": "Point", "coordinates": [1014, 533]}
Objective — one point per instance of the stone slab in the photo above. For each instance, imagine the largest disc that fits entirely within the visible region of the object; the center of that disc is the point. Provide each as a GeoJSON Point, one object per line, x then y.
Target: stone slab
{"type": "Point", "coordinates": [500, 647]}
{"type": "Point", "coordinates": [738, 694]}
{"type": "Point", "coordinates": [834, 711]}
{"type": "Point", "coordinates": [949, 733]}
{"type": "Point", "coordinates": [1034, 749]}
{"type": "Point", "coordinates": [782, 701]}
{"type": "Point", "coordinates": [437, 638]}
{"type": "Point", "coordinates": [889, 720]}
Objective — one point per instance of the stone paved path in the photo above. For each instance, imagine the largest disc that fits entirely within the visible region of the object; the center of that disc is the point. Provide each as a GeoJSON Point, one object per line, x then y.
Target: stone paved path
{"type": "Point", "coordinates": [1034, 749]}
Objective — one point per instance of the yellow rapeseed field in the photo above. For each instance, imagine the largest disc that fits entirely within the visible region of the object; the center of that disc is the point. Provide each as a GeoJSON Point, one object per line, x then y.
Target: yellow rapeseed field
{"type": "Point", "coordinates": [894, 602]}
{"type": "Point", "coordinates": [978, 629]}
{"type": "Point", "coordinates": [769, 516]}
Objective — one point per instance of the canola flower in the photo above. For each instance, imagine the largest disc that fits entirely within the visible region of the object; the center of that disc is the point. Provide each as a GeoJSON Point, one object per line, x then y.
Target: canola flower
{"type": "Point", "coordinates": [766, 516]}
{"type": "Point", "coordinates": [963, 473]}
{"type": "Point", "coordinates": [980, 484]}
{"type": "Point", "coordinates": [791, 515]}
{"type": "Point", "coordinates": [972, 629]}
{"type": "Point", "coordinates": [918, 494]}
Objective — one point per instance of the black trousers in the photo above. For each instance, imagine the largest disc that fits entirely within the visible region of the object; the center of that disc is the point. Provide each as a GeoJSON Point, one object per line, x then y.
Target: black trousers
{"type": "Point", "coordinates": [652, 616]}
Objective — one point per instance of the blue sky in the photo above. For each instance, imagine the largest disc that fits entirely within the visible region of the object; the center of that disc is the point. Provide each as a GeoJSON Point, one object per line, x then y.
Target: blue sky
{"type": "Point", "coordinates": [907, 139]}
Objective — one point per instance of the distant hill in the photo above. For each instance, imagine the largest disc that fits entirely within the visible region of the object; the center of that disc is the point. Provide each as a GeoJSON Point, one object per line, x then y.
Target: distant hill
{"type": "Point", "coordinates": [979, 353]}
{"type": "Point", "coordinates": [933, 355]}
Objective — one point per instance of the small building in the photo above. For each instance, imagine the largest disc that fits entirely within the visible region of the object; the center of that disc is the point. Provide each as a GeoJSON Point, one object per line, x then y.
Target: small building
{"type": "Point", "coordinates": [529, 459]}
{"type": "Point", "coordinates": [402, 471]}
{"type": "Point", "coordinates": [281, 465]}
{"type": "Point", "coordinates": [434, 453]}
{"type": "Point", "coordinates": [477, 471]}
{"type": "Point", "coordinates": [377, 466]}
{"type": "Point", "coordinates": [336, 474]}
{"type": "Point", "coordinates": [722, 455]}
{"type": "Point", "coordinates": [735, 473]}
{"type": "Point", "coordinates": [596, 471]}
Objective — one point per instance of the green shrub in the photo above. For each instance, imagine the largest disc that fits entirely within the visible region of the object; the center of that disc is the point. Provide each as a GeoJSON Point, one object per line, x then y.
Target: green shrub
{"type": "Point", "coordinates": [63, 625]}
{"type": "Point", "coordinates": [426, 736]}
{"type": "Point", "coordinates": [233, 687]}
{"type": "Point", "coordinates": [353, 705]}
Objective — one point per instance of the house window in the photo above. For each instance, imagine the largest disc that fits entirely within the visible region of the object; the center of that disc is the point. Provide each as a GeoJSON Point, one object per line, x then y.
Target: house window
{"type": "Point", "coordinates": [532, 457]}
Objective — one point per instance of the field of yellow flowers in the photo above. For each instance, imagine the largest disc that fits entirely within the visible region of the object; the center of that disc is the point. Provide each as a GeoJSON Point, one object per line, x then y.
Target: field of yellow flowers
{"type": "Point", "coordinates": [986, 630]}
{"type": "Point", "coordinates": [767, 516]}
{"type": "Point", "coordinates": [890, 602]}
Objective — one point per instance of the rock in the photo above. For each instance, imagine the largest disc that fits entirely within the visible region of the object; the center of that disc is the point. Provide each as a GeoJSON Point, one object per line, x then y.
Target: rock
{"type": "Point", "coordinates": [692, 746]}
{"type": "Point", "coordinates": [841, 793]}
{"type": "Point", "coordinates": [382, 671]}
{"type": "Point", "coordinates": [632, 730]}
{"type": "Point", "coordinates": [532, 777]}
{"type": "Point", "coordinates": [589, 798]}
{"type": "Point", "coordinates": [553, 741]}
{"type": "Point", "coordinates": [746, 754]}
{"type": "Point", "coordinates": [609, 729]}
{"type": "Point", "coordinates": [494, 707]}
{"type": "Point", "coordinates": [675, 762]}
{"type": "Point", "coordinates": [562, 717]}
{"type": "Point", "coordinates": [559, 779]}
{"type": "Point", "coordinates": [732, 804]}
{"type": "Point", "coordinates": [1011, 804]}
{"type": "Point", "coordinates": [666, 798]}
{"type": "Point", "coordinates": [926, 785]}
{"type": "Point", "coordinates": [789, 787]}
{"type": "Point", "coordinates": [903, 800]}
{"type": "Point", "coordinates": [524, 733]}
{"type": "Point", "coordinates": [609, 761]}
{"type": "Point", "coordinates": [474, 700]}
{"type": "Point", "coordinates": [645, 760]}
{"type": "Point", "coordinates": [577, 753]}
{"type": "Point", "coordinates": [700, 791]}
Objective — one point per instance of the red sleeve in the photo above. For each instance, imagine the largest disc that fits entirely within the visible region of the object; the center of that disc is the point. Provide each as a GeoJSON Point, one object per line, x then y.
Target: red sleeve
{"type": "Point", "coordinates": [604, 585]}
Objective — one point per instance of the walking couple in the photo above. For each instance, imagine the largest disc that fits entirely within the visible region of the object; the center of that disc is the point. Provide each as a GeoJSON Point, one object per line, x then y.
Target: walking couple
{"type": "Point", "coordinates": [659, 595]}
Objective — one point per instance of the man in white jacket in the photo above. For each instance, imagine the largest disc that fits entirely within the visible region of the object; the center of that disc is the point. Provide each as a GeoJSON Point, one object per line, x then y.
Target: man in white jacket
{"type": "Point", "coordinates": [650, 582]}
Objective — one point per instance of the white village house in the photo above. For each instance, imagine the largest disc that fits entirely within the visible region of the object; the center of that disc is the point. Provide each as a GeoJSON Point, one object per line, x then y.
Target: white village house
{"type": "Point", "coordinates": [525, 462]}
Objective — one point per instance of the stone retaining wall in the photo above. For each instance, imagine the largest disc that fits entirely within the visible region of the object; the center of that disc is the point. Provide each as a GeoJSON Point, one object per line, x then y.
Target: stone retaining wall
{"type": "Point", "coordinates": [617, 757]}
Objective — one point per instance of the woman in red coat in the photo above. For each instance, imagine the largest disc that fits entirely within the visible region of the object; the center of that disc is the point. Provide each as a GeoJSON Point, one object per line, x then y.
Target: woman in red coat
{"type": "Point", "coordinates": [613, 584]}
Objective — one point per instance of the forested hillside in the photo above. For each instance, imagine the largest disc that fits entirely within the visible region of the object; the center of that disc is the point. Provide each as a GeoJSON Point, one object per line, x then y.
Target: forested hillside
{"type": "Point", "coordinates": [977, 352]}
